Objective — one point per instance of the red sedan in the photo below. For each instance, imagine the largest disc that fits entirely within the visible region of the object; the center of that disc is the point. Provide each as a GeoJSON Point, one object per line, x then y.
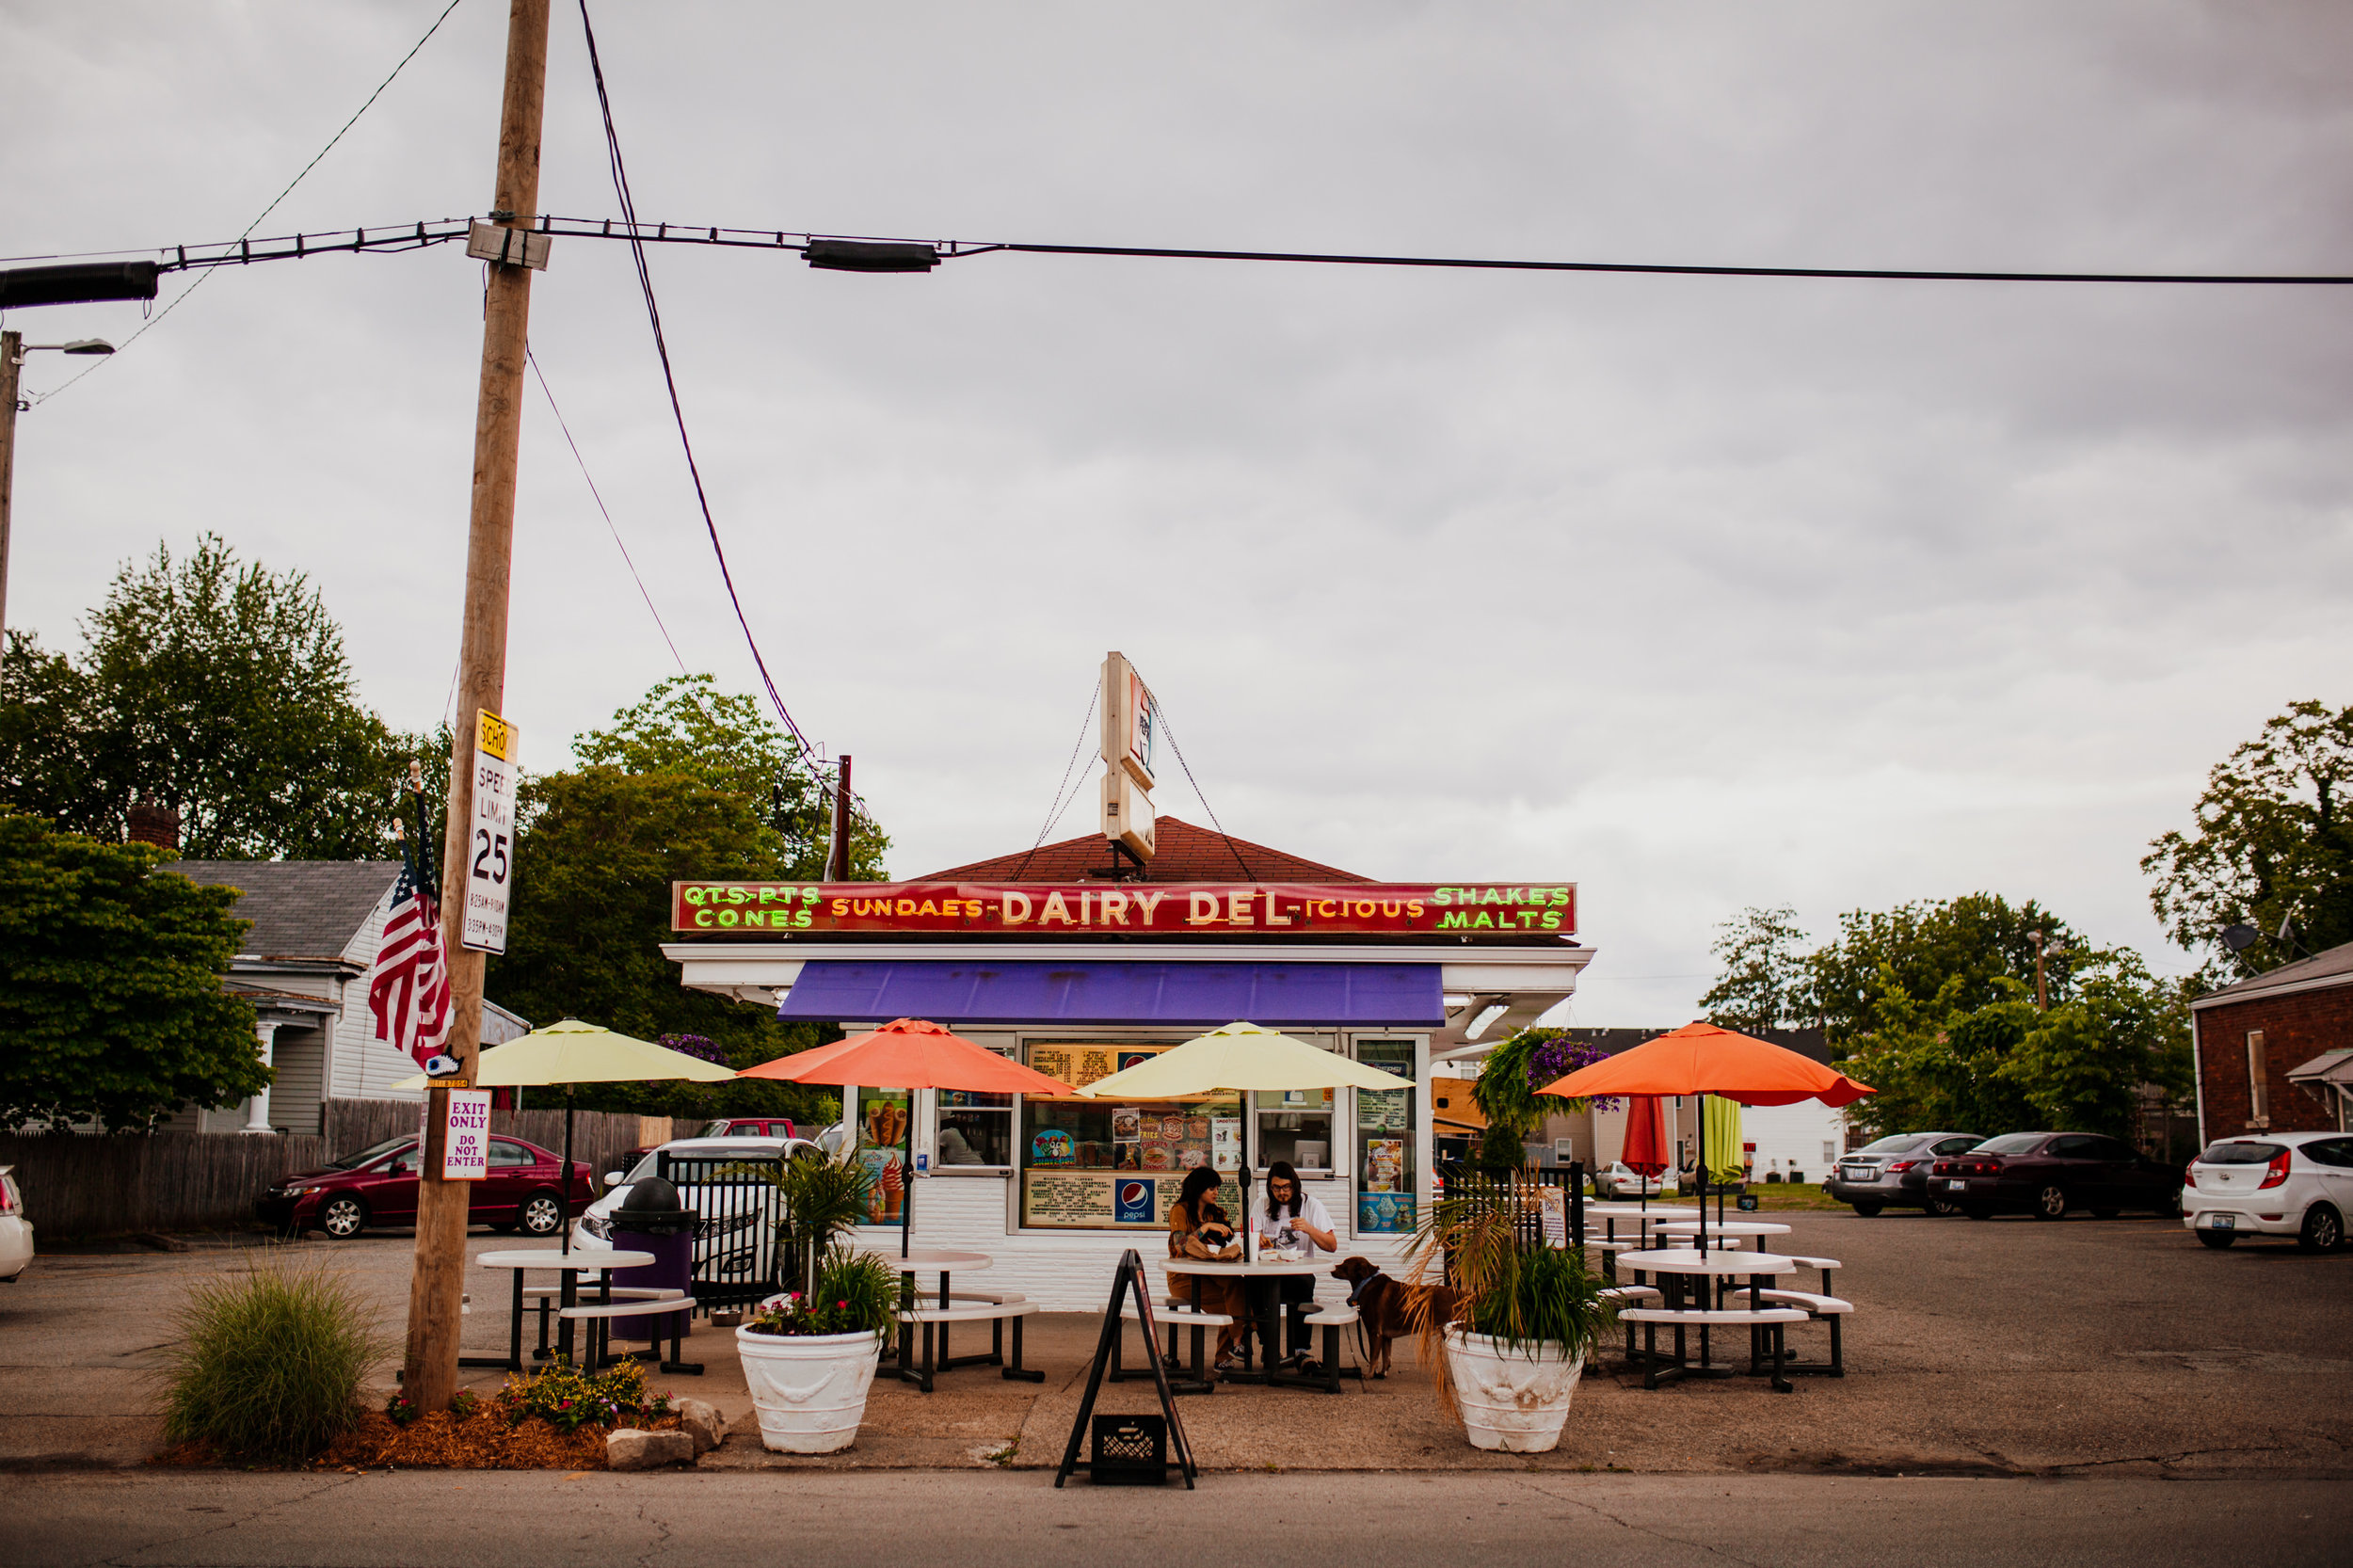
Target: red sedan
{"type": "Point", "coordinates": [377, 1186]}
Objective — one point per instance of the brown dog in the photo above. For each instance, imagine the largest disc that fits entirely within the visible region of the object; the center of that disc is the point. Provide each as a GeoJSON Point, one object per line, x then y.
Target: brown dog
{"type": "Point", "coordinates": [1387, 1310]}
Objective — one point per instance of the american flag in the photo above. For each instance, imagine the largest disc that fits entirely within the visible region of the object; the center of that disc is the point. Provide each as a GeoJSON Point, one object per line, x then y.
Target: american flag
{"type": "Point", "coordinates": [409, 990]}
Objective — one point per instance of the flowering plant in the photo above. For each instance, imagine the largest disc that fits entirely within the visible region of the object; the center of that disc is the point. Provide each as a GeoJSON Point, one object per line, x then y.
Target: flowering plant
{"type": "Point", "coordinates": [567, 1398]}
{"type": "Point", "coordinates": [855, 1293]}
{"type": "Point", "coordinates": [1555, 1058]}
{"type": "Point", "coordinates": [701, 1046]}
{"type": "Point", "coordinates": [402, 1409]}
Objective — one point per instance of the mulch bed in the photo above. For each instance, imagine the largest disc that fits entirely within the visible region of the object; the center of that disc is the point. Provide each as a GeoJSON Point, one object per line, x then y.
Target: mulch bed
{"type": "Point", "coordinates": [445, 1441]}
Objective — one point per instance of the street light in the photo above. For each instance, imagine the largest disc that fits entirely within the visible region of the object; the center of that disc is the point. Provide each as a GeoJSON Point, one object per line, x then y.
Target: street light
{"type": "Point", "coordinates": [12, 351]}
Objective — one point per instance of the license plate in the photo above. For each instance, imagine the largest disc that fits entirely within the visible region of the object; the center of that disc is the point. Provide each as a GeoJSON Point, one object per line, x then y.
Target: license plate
{"type": "Point", "coordinates": [1956, 1184]}
{"type": "Point", "coordinates": [2222, 1221]}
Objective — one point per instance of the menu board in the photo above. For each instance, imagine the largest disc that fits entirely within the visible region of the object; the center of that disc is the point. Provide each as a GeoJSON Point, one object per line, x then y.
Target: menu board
{"type": "Point", "coordinates": [1095, 1200]}
{"type": "Point", "coordinates": [1080, 1065]}
{"type": "Point", "coordinates": [1385, 1164]}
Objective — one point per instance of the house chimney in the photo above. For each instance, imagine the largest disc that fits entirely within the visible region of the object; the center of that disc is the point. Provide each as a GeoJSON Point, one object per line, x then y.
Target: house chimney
{"type": "Point", "coordinates": [151, 823]}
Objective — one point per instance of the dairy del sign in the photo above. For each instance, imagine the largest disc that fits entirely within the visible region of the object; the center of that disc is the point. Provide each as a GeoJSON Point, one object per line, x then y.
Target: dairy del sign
{"type": "Point", "coordinates": [1476, 909]}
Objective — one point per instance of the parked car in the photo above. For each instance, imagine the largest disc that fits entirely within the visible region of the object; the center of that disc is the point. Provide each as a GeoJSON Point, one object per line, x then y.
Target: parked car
{"type": "Point", "coordinates": [377, 1186]}
{"type": "Point", "coordinates": [735, 1238]}
{"type": "Point", "coordinates": [1616, 1181]}
{"type": "Point", "coordinates": [1893, 1173]}
{"type": "Point", "coordinates": [16, 1231]}
{"type": "Point", "coordinates": [726, 1127]}
{"type": "Point", "coordinates": [2046, 1174]}
{"type": "Point", "coordinates": [2298, 1184]}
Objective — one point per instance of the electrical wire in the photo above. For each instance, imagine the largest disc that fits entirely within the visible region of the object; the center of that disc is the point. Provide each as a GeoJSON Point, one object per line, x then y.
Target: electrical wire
{"type": "Point", "coordinates": [155, 320]}
{"type": "Point", "coordinates": [678, 413]}
{"type": "Point", "coordinates": [597, 497]}
{"type": "Point", "coordinates": [1054, 817]}
{"type": "Point", "coordinates": [1174, 745]}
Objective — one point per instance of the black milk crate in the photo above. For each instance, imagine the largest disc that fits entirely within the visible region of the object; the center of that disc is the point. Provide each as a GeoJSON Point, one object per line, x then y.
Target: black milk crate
{"type": "Point", "coordinates": [1129, 1450]}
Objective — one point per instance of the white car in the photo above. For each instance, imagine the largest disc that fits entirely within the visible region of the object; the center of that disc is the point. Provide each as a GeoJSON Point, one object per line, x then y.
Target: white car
{"type": "Point", "coordinates": [735, 1233]}
{"type": "Point", "coordinates": [16, 1231]}
{"type": "Point", "coordinates": [1620, 1182]}
{"type": "Point", "coordinates": [2298, 1184]}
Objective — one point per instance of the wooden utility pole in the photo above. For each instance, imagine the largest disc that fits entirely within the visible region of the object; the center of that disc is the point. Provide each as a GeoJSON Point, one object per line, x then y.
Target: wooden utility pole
{"type": "Point", "coordinates": [435, 1291]}
{"type": "Point", "coordinates": [12, 365]}
{"type": "Point", "coordinates": [838, 852]}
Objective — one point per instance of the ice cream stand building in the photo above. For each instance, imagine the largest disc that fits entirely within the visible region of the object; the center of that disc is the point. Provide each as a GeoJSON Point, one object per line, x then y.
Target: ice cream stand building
{"type": "Point", "coordinates": [1082, 958]}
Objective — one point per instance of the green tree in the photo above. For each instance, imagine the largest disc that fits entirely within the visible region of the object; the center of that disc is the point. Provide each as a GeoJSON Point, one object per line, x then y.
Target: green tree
{"type": "Point", "coordinates": [111, 1005]}
{"type": "Point", "coordinates": [687, 725]}
{"type": "Point", "coordinates": [2272, 843]}
{"type": "Point", "coordinates": [599, 850]}
{"type": "Point", "coordinates": [211, 686]}
{"type": "Point", "coordinates": [1976, 940]}
{"type": "Point", "coordinates": [1765, 981]}
{"type": "Point", "coordinates": [2005, 1066]}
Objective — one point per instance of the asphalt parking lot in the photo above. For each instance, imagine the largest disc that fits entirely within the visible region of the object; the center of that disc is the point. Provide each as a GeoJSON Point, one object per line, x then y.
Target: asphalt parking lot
{"type": "Point", "coordinates": [1997, 1348]}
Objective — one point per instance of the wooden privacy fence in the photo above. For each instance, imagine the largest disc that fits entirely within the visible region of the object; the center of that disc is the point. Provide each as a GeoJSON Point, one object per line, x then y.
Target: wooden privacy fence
{"type": "Point", "coordinates": [83, 1186]}
{"type": "Point", "coordinates": [75, 1185]}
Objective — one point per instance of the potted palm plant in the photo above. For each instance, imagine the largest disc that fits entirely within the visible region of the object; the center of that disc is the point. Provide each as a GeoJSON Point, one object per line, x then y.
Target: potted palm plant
{"type": "Point", "coordinates": [810, 1352]}
{"type": "Point", "coordinates": [1523, 1316]}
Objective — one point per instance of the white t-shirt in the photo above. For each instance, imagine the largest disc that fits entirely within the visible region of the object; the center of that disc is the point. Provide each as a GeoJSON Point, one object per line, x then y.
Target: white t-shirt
{"type": "Point", "coordinates": [1278, 1232]}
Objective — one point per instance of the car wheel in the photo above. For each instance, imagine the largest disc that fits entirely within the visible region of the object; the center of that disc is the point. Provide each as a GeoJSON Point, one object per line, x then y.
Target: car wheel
{"type": "Point", "coordinates": [541, 1214]}
{"type": "Point", "coordinates": [1869, 1211]}
{"type": "Point", "coordinates": [2218, 1239]}
{"type": "Point", "coordinates": [2324, 1229]}
{"type": "Point", "coordinates": [2051, 1203]}
{"type": "Point", "coordinates": [1944, 1207]}
{"type": "Point", "coordinates": [1976, 1211]}
{"type": "Point", "coordinates": [342, 1217]}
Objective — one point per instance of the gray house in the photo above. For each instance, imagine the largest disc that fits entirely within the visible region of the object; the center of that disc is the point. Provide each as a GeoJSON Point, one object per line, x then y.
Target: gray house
{"type": "Point", "coordinates": [304, 964]}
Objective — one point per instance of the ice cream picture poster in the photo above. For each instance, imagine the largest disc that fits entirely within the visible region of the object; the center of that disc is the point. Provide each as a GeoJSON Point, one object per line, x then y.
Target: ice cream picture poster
{"type": "Point", "coordinates": [886, 1200]}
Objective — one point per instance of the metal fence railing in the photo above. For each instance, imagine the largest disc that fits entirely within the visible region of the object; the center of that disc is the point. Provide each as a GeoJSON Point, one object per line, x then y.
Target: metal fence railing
{"type": "Point", "coordinates": [737, 1258]}
{"type": "Point", "coordinates": [1522, 1194]}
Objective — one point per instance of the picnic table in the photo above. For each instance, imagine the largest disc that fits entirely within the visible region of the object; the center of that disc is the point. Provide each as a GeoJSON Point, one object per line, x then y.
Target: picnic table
{"type": "Point", "coordinates": [936, 1320]}
{"type": "Point", "coordinates": [570, 1265]}
{"type": "Point", "coordinates": [1677, 1269]}
{"type": "Point", "coordinates": [1270, 1314]}
{"type": "Point", "coordinates": [1756, 1229]}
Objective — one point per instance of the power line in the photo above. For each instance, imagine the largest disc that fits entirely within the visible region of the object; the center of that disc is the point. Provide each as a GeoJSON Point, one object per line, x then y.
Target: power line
{"type": "Point", "coordinates": [594, 494]}
{"type": "Point", "coordinates": [1061, 805]}
{"type": "Point", "coordinates": [662, 348]}
{"type": "Point", "coordinates": [1177, 747]}
{"type": "Point", "coordinates": [153, 321]}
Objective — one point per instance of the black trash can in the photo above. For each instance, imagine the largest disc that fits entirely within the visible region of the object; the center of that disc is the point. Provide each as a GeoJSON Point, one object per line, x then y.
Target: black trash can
{"type": "Point", "coordinates": [652, 1219]}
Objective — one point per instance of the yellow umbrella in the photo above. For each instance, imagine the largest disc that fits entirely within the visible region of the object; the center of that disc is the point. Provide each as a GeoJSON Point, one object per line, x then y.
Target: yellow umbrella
{"type": "Point", "coordinates": [573, 1052]}
{"type": "Point", "coordinates": [1239, 1057]}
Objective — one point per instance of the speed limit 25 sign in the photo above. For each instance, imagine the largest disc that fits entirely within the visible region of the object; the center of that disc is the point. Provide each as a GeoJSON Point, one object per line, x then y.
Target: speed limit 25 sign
{"type": "Point", "coordinates": [490, 852]}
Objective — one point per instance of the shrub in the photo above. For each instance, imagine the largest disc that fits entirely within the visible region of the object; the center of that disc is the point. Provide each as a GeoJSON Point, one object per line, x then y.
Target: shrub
{"type": "Point", "coordinates": [270, 1362]}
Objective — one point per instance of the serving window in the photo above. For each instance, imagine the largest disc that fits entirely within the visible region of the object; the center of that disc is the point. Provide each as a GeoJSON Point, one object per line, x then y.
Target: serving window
{"type": "Point", "coordinates": [1097, 1165]}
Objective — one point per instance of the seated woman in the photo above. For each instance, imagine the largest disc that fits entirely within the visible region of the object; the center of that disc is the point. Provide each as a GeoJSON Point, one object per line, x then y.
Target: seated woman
{"type": "Point", "coordinates": [1198, 1227]}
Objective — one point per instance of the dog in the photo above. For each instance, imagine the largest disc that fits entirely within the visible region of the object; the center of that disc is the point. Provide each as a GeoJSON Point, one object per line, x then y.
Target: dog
{"type": "Point", "coordinates": [1387, 1310]}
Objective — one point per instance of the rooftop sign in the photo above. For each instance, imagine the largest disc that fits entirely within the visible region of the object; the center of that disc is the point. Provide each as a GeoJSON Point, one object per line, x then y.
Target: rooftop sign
{"type": "Point", "coordinates": [1126, 909]}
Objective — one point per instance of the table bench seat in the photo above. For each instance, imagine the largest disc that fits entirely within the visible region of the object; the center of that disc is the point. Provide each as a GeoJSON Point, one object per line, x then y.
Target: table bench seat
{"type": "Point", "coordinates": [650, 1301]}
{"type": "Point", "coordinates": [1765, 1326]}
{"type": "Point", "coordinates": [1821, 1308]}
{"type": "Point", "coordinates": [995, 1308]}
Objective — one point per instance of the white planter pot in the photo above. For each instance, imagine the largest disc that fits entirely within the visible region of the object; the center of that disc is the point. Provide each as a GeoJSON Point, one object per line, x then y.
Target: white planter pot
{"type": "Point", "coordinates": [1516, 1399]}
{"type": "Point", "coordinates": [810, 1390]}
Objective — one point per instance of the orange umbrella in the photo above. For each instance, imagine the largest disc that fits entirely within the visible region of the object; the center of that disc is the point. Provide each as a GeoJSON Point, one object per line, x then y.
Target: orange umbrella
{"type": "Point", "coordinates": [909, 1053]}
{"type": "Point", "coordinates": [1703, 1058]}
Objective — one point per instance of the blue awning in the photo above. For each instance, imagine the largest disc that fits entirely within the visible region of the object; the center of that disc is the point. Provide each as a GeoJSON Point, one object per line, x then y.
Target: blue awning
{"type": "Point", "coordinates": [1110, 992]}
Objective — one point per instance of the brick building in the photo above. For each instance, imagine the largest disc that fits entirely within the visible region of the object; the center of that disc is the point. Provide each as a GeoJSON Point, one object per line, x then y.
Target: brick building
{"type": "Point", "coordinates": [2277, 1051]}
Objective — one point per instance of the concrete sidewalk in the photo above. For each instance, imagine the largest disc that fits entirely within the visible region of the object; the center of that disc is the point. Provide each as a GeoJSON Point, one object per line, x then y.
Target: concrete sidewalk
{"type": "Point", "coordinates": [2001, 1347]}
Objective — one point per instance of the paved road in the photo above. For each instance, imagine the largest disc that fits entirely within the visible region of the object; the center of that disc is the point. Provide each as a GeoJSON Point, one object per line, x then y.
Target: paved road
{"type": "Point", "coordinates": [943, 1520]}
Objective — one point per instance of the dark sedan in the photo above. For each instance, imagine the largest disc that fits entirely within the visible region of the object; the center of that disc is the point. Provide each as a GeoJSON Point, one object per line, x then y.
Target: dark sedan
{"type": "Point", "coordinates": [2046, 1174]}
{"type": "Point", "coordinates": [377, 1186]}
{"type": "Point", "coordinates": [1893, 1173]}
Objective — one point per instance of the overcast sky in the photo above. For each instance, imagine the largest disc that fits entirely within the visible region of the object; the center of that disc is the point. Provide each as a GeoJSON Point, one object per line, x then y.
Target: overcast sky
{"type": "Point", "coordinates": [1705, 592]}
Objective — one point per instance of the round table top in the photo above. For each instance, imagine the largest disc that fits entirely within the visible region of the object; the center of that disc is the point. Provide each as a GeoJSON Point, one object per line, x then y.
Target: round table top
{"type": "Point", "coordinates": [1690, 1260]}
{"type": "Point", "coordinates": [926, 1259]}
{"type": "Point", "coordinates": [1633, 1210]}
{"type": "Point", "coordinates": [1730, 1228]}
{"type": "Point", "coordinates": [1265, 1266]}
{"type": "Point", "coordinates": [580, 1260]}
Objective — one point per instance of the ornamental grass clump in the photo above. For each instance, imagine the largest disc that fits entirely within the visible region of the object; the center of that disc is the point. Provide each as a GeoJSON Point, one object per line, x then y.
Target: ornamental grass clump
{"type": "Point", "coordinates": [270, 1362]}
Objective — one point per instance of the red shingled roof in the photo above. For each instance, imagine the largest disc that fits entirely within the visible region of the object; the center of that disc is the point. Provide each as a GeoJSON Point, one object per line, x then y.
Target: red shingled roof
{"type": "Point", "coordinates": [1185, 854]}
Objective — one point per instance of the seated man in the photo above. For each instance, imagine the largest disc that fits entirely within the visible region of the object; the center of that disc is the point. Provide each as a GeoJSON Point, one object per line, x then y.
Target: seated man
{"type": "Point", "coordinates": [1294, 1219]}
